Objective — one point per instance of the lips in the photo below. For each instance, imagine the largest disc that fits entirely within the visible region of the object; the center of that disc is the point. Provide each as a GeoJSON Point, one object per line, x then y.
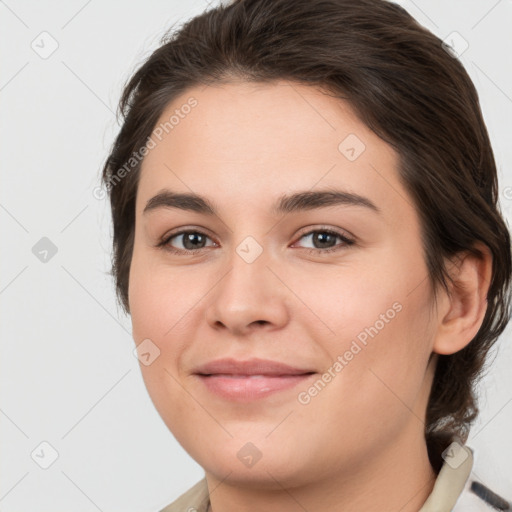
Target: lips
{"type": "Point", "coordinates": [250, 367]}
{"type": "Point", "coordinates": [244, 381]}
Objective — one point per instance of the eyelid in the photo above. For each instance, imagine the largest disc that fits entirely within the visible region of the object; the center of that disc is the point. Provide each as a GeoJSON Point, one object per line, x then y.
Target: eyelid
{"type": "Point", "coordinates": [335, 231]}
{"type": "Point", "coordinates": [187, 229]}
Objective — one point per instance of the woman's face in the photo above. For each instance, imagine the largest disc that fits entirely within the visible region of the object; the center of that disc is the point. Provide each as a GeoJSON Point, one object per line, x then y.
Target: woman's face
{"type": "Point", "coordinates": [325, 284]}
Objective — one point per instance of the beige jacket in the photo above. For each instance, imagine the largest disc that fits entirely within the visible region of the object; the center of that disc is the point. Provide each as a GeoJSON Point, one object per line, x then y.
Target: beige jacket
{"type": "Point", "coordinates": [452, 490]}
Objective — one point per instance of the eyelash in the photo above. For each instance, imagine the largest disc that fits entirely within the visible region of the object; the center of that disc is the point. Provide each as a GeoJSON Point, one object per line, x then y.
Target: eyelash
{"type": "Point", "coordinates": [164, 243]}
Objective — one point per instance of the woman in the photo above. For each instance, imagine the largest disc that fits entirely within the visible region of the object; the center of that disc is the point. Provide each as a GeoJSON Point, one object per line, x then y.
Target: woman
{"type": "Point", "coordinates": [307, 239]}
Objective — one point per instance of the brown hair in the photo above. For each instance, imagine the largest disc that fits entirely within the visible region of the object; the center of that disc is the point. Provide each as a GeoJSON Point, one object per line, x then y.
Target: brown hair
{"type": "Point", "coordinates": [403, 84]}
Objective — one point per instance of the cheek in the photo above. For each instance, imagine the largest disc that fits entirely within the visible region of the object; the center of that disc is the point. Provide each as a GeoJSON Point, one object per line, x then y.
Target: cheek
{"type": "Point", "coordinates": [380, 377]}
{"type": "Point", "coordinates": [381, 329]}
{"type": "Point", "coordinates": [159, 298]}
{"type": "Point", "coordinates": [162, 310]}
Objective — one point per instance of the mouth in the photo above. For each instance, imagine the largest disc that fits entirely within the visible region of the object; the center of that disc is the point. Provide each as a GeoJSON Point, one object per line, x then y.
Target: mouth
{"type": "Point", "coordinates": [245, 381]}
{"type": "Point", "coordinates": [250, 387]}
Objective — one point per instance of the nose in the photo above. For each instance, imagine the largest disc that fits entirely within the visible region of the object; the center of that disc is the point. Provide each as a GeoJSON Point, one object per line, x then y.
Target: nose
{"type": "Point", "coordinates": [249, 296]}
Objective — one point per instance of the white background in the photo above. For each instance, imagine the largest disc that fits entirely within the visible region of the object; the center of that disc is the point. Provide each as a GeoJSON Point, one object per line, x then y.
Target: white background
{"type": "Point", "coordinates": [68, 374]}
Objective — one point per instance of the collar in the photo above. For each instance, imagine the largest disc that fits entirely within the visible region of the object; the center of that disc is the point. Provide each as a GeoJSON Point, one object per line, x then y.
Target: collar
{"type": "Point", "coordinates": [450, 482]}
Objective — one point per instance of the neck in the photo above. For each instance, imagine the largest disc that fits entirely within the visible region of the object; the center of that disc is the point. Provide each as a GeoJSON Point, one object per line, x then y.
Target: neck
{"type": "Point", "coordinates": [400, 477]}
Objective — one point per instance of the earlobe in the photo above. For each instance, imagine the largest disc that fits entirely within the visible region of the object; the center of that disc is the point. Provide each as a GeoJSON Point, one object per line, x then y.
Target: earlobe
{"type": "Point", "coordinates": [466, 304]}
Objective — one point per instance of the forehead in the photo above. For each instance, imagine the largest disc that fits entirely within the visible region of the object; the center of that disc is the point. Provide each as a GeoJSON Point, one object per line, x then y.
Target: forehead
{"type": "Point", "coordinates": [248, 143]}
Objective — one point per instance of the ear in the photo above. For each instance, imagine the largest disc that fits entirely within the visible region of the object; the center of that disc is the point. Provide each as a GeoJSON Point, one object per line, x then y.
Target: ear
{"type": "Point", "coordinates": [461, 312]}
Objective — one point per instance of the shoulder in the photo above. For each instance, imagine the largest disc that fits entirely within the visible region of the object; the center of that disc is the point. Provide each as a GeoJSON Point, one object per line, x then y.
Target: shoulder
{"type": "Point", "coordinates": [195, 499]}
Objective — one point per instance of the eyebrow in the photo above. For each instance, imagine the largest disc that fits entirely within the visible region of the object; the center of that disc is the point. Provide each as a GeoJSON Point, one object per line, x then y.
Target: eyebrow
{"type": "Point", "coordinates": [298, 201]}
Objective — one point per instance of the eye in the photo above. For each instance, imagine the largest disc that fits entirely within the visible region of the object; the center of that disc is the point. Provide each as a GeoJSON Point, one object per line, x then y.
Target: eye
{"type": "Point", "coordinates": [325, 238]}
{"type": "Point", "coordinates": [194, 241]}
{"type": "Point", "coordinates": [190, 241]}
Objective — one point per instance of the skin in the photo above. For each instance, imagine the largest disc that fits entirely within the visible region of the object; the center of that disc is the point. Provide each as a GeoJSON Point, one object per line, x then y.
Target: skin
{"type": "Point", "coordinates": [359, 443]}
